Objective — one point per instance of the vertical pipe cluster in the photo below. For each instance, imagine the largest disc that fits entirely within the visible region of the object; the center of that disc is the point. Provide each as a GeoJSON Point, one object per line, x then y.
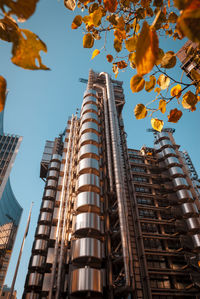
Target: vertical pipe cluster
{"type": "Point", "coordinates": [86, 250]}
{"type": "Point", "coordinates": [188, 207]}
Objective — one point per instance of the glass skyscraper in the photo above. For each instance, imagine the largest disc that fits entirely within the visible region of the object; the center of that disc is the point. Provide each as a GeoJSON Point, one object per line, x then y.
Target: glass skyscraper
{"type": "Point", "coordinates": [114, 222]}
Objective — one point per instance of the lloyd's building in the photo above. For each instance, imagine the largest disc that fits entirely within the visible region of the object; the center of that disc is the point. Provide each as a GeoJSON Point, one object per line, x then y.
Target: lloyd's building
{"type": "Point", "coordinates": [114, 222]}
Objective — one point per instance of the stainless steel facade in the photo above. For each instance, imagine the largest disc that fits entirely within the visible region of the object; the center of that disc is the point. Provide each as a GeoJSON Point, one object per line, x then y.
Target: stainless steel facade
{"type": "Point", "coordinates": [114, 222]}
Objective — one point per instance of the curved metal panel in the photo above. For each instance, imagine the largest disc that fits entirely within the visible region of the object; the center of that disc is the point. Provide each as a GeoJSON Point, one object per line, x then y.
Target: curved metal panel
{"type": "Point", "coordinates": [53, 174]}
{"type": "Point", "coordinates": [89, 108]}
{"type": "Point", "coordinates": [35, 279]}
{"type": "Point", "coordinates": [54, 165]}
{"type": "Point", "coordinates": [43, 230]}
{"type": "Point", "coordinates": [89, 127]}
{"type": "Point", "coordinates": [89, 99]}
{"type": "Point", "coordinates": [38, 261]}
{"type": "Point", "coordinates": [90, 116]}
{"type": "Point", "coordinates": [172, 161]}
{"type": "Point", "coordinates": [87, 201]}
{"type": "Point", "coordinates": [53, 233]}
{"type": "Point", "coordinates": [89, 150]}
{"type": "Point", "coordinates": [86, 248]}
{"type": "Point", "coordinates": [176, 171]}
{"type": "Point", "coordinates": [31, 296]}
{"type": "Point", "coordinates": [49, 194]}
{"type": "Point", "coordinates": [196, 242]}
{"type": "Point", "coordinates": [51, 184]}
{"type": "Point", "coordinates": [193, 224]}
{"type": "Point", "coordinates": [168, 152]}
{"type": "Point", "coordinates": [56, 157]}
{"type": "Point", "coordinates": [60, 182]}
{"type": "Point", "coordinates": [189, 209]}
{"type": "Point", "coordinates": [180, 183]}
{"type": "Point", "coordinates": [85, 222]}
{"type": "Point", "coordinates": [88, 182]}
{"type": "Point", "coordinates": [45, 217]}
{"type": "Point", "coordinates": [89, 92]}
{"type": "Point", "coordinates": [184, 195]}
{"type": "Point", "coordinates": [165, 143]}
{"type": "Point", "coordinates": [86, 279]}
{"type": "Point", "coordinates": [89, 138]}
{"type": "Point", "coordinates": [88, 165]}
{"type": "Point", "coordinates": [162, 135]}
{"type": "Point", "coordinates": [55, 213]}
{"type": "Point", "coordinates": [47, 205]}
{"type": "Point", "coordinates": [40, 245]}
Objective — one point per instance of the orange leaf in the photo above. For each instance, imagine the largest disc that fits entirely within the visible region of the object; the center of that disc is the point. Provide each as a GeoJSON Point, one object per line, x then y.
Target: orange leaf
{"type": "Point", "coordinates": [140, 111]}
{"type": "Point", "coordinates": [157, 124]}
{"type": "Point", "coordinates": [121, 64]}
{"type": "Point", "coordinates": [174, 115]}
{"type": "Point", "coordinates": [109, 58]}
{"type": "Point", "coordinates": [95, 53]}
{"type": "Point", "coordinates": [2, 93]}
{"type": "Point", "coordinates": [23, 9]}
{"type": "Point", "coordinates": [110, 5]}
{"type": "Point", "coordinates": [146, 49]}
{"type": "Point", "coordinates": [77, 21]}
{"type": "Point", "coordinates": [162, 106]}
{"type": "Point", "coordinates": [137, 83]}
{"type": "Point", "coordinates": [176, 91]}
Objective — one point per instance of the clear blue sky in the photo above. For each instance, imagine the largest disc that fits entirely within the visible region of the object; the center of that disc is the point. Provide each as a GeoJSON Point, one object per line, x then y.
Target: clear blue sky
{"type": "Point", "coordinates": [39, 103]}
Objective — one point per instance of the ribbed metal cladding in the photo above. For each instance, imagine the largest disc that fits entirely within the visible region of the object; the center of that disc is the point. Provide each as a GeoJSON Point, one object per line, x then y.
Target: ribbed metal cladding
{"type": "Point", "coordinates": [35, 279]}
{"type": "Point", "coordinates": [40, 245]}
{"type": "Point", "coordinates": [38, 261]}
{"type": "Point", "coordinates": [172, 161]}
{"type": "Point", "coordinates": [165, 143]}
{"type": "Point", "coordinates": [193, 225]}
{"type": "Point", "coordinates": [86, 279]}
{"type": "Point", "coordinates": [184, 195]}
{"type": "Point", "coordinates": [45, 217]}
{"type": "Point", "coordinates": [43, 230]}
{"type": "Point", "coordinates": [180, 183]}
{"type": "Point", "coordinates": [52, 184]}
{"type": "Point", "coordinates": [54, 165]}
{"type": "Point", "coordinates": [189, 210]}
{"type": "Point", "coordinates": [85, 222]}
{"type": "Point", "coordinates": [49, 194]}
{"type": "Point", "coordinates": [50, 255]}
{"type": "Point", "coordinates": [88, 165]}
{"type": "Point", "coordinates": [162, 135]}
{"type": "Point", "coordinates": [176, 172]}
{"type": "Point", "coordinates": [89, 127]}
{"type": "Point", "coordinates": [196, 242]}
{"type": "Point", "coordinates": [90, 116]}
{"type": "Point", "coordinates": [53, 233]}
{"type": "Point", "coordinates": [89, 138]}
{"type": "Point", "coordinates": [56, 157]}
{"type": "Point", "coordinates": [32, 296]}
{"type": "Point", "coordinates": [89, 108]}
{"type": "Point", "coordinates": [53, 174]}
{"type": "Point", "coordinates": [89, 99]}
{"type": "Point", "coordinates": [89, 92]}
{"type": "Point", "coordinates": [88, 182]}
{"type": "Point", "coordinates": [167, 152]}
{"type": "Point", "coordinates": [88, 151]}
{"type": "Point", "coordinates": [47, 205]}
{"type": "Point", "coordinates": [86, 250]}
{"type": "Point", "coordinates": [87, 201]}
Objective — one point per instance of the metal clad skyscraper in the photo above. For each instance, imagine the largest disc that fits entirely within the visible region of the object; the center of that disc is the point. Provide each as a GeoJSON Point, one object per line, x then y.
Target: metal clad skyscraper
{"type": "Point", "coordinates": [10, 210]}
{"type": "Point", "coordinates": [114, 222]}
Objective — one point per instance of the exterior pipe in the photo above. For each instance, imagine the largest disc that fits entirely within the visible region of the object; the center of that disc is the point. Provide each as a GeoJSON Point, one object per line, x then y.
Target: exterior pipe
{"type": "Point", "coordinates": [60, 213]}
{"type": "Point", "coordinates": [110, 175]}
{"type": "Point", "coordinates": [119, 181]}
{"type": "Point", "coordinates": [64, 220]}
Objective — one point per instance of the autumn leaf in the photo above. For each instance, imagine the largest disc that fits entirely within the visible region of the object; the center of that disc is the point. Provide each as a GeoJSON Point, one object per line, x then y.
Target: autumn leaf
{"type": "Point", "coordinates": [136, 25]}
{"type": "Point", "coordinates": [117, 45]}
{"type": "Point", "coordinates": [162, 106]}
{"type": "Point", "coordinates": [157, 124]}
{"type": "Point", "coordinates": [120, 23]}
{"type": "Point", "coordinates": [94, 19]}
{"type": "Point", "coordinates": [77, 21]}
{"type": "Point", "coordinates": [149, 85]}
{"type": "Point", "coordinates": [88, 40]}
{"type": "Point", "coordinates": [189, 100]}
{"type": "Point", "coordinates": [160, 56]}
{"type": "Point", "coordinates": [146, 49]}
{"type": "Point", "coordinates": [174, 115]}
{"type": "Point", "coordinates": [95, 53]}
{"type": "Point", "coordinates": [131, 43]}
{"type": "Point", "coordinates": [121, 64]}
{"type": "Point", "coordinates": [169, 60]}
{"type": "Point", "coordinates": [195, 75]}
{"type": "Point", "coordinates": [172, 18]}
{"type": "Point", "coordinates": [163, 81]}
{"type": "Point", "coordinates": [110, 5]}
{"type": "Point", "coordinates": [115, 70]}
{"type": "Point", "coordinates": [2, 93]}
{"type": "Point", "coordinates": [137, 83]}
{"type": "Point", "coordinates": [157, 89]}
{"type": "Point", "coordinates": [176, 91]}
{"type": "Point", "coordinates": [120, 34]}
{"type": "Point", "coordinates": [9, 29]}
{"type": "Point", "coordinates": [25, 51]}
{"type": "Point", "coordinates": [70, 4]}
{"type": "Point", "coordinates": [23, 9]}
{"type": "Point", "coordinates": [140, 111]}
{"type": "Point", "coordinates": [109, 58]}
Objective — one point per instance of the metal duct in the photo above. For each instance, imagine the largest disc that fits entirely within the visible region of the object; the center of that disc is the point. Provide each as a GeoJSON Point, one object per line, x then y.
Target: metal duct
{"type": "Point", "coordinates": [47, 205]}
{"type": "Point", "coordinates": [89, 138]}
{"type": "Point", "coordinates": [88, 151]}
{"type": "Point", "coordinates": [35, 279]}
{"type": "Point", "coordinates": [48, 193]}
{"type": "Point", "coordinates": [45, 217]}
{"type": "Point", "coordinates": [54, 165]}
{"type": "Point", "coordinates": [88, 202]}
{"type": "Point", "coordinates": [88, 182]}
{"type": "Point", "coordinates": [89, 92]}
{"type": "Point", "coordinates": [53, 233]}
{"type": "Point", "coordinates": [89, 100]}
{"type": "Point", "coordinates": [193, 225]}
{"type": "Point", "coordinates": [88, 165]}
{"type": "Point", "coordinates": [89, 108]}
{"type": "Point", "coordinates": [40, 245]}
{"type": "Point", "coordinates": [50, 255]}
{"type": "Point", "coordinates": [43, 230]}
{"type": "Point", "coordinates": [196, 242]}
{"type": "Point", "coordinates": [160, 135]}
{"type": "Point", "coordinates": [172, 161]}
{"type": "Point", "coordinates": [37, 261]}
{"type": "Point", "coordinates": [167, 152]}
{"type": "Point", "coordinates": [176, 172]}
{"type": "Point", "coordinates": [92, 280]}
{"type": "Point", "coordinates": [56, 157]}
{"type": "Point", "coordinates": [32, 295]}
{"type": "Point", "coordinates": [189, 210]}
{"type": "Point", "coordinates": [84, 223]}
{"type": "Point", "coordinates": [86, 250]}
{"type": "Point", "coordinates": [89, 127]}
{"type": "Point", "coordinates": [165, 143]}
{"type": "Point", "coordinates": [51, 184]}
{"type": "Point", "coordinates": [184, 195]}
{"type": "Point", "coordinates": [180, 183]}
{"type": "Point", "coordinates": [90, 116]}
{"type": "Point", "coordinates": [53, 174]}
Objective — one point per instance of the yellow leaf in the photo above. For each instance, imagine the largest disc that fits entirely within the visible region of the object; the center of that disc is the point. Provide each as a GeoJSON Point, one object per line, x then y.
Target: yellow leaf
{"type": "Point", "coordinates": [146, 49]}
{"type": "Point", "coordinates": [169, 60]}
{"type": "Point", "coordinates": [174, 115]}
{"type": "Point", "coordinates": [157, 124]}
{"type": "Point", "coordinates": [131, 43]}
{"type": "Point", "coordinates": [115, 70]}
{"type": "Point", "coordinates": [117, 45]}
{"type": "Point", "coordinates": [176, 91]}
{"type": "Point", "coordinates": [162, 106]}
{"type": "Point", "coordinates": [109, 58]}
{"type": "Point", "coordinates": [157, 89]}
{"type": "Point", "coordinates": [163, 81]}
{"type": "Point", "coordinates": [110, 5]}
{"type": "Point", "coordinates": [140, 111]}
{"type": "Point", "coordinates": [26, 50]}
{"type": "Point", "coordinates": [137, 83]}
{"type": "Point", "coordinates": [189, 100]}
{"type": "Point", "coordinates": [131, 57]}
{"type": "Point", "coordinates": [120, 34]}
{"type": "Point", "coordinates": [2, 93]}
{"type": "Point", "coordinates": [94, 18]}
{"type": "Point", "coordinates": [77, 21]}
{"type": "Point", "coordinates": [23, 9]}
{"type": "Point", "coordinates": [195, 75]}
{"type": "Point", "coordinates": [149, 85]}
{"type": "Point", "coordinates": [95, 53]}
{"type": "Point", "coordinates": [120, 23]}
{"type": "Point", "coordinates": [70, 4]}
{"type": "Point", "coordinates": [88, 41]}
{"type": "Point", "coordinates": [121, 64]}
{"type": "Point", "coordinates": [136, 25]}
